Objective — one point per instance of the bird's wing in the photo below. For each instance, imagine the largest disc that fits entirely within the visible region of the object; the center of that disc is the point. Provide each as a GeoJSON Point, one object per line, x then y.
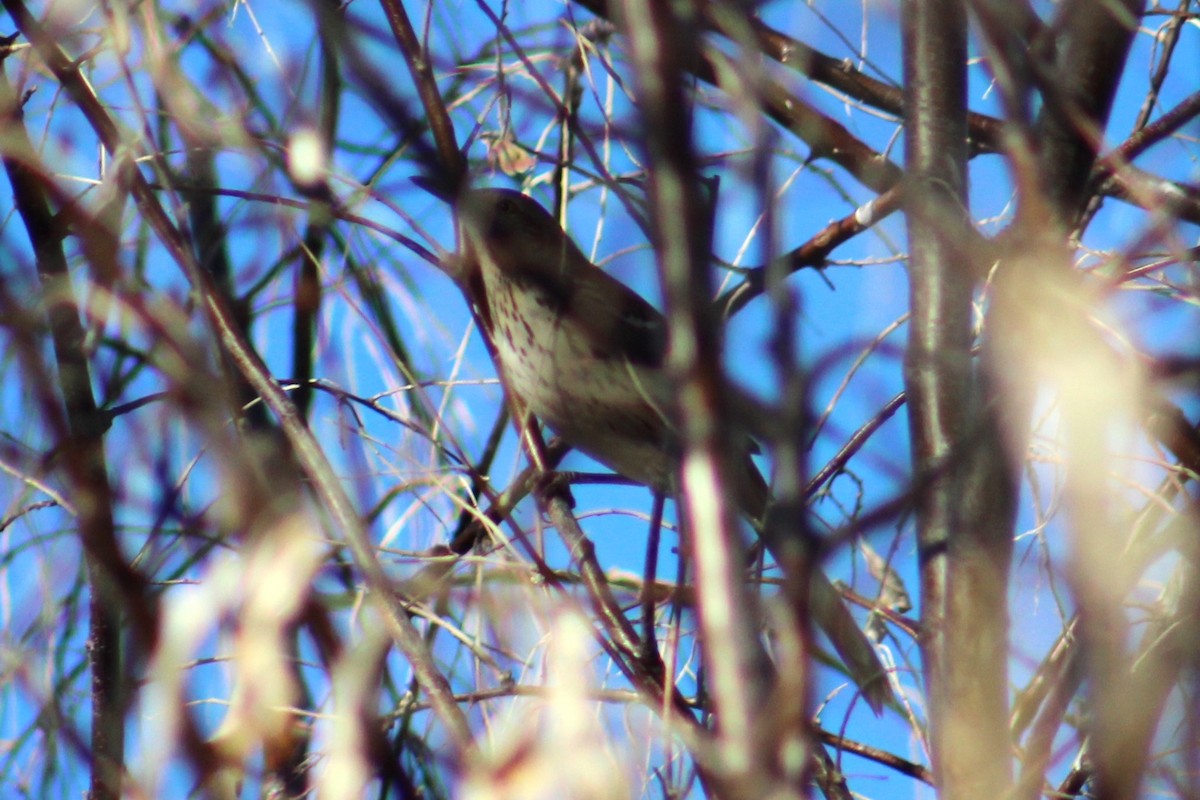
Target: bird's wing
{"type": "Point", "coordinates": [623, 326]}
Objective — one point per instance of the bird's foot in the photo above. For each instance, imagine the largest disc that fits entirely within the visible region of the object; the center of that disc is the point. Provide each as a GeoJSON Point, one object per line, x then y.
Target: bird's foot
{"type": "Point", "coordinates": [555, 484]}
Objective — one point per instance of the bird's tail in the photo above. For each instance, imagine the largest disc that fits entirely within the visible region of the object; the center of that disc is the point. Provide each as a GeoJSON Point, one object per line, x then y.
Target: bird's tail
{"type": "Point", "coordinates": [826, 605]}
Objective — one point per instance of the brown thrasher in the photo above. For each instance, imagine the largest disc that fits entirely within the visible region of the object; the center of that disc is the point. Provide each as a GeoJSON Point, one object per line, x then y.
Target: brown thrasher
{"type": "Point", "coordinates": [585, 354]}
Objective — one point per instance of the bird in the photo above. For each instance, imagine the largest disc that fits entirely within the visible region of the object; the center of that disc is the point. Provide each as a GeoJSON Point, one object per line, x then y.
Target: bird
{"type": "Point", "coordinates": [586, 354]}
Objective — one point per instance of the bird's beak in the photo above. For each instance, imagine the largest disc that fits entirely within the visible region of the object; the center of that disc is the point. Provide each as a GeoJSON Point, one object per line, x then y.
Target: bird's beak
{"type": "Point", "coordinates": [440, 186]}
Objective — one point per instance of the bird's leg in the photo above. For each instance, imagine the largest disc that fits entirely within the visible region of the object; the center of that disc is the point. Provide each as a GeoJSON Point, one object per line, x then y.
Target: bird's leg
{"type": "Point", "coordinates": [649, 596]}
{"type": "Point", "coordinates": [550, 483]}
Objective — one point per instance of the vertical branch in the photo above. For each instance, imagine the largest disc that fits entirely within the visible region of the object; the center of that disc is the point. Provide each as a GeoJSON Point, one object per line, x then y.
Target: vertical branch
{"type": "Point", "coordinates": [81, 452]}
{"type": "Point", "coordinates": [453, 166]}
{"type": "Point", "coordinates": [1097, 392]}
{"type": "Point", "coordinates": [966, 501]}
{"type": "Point", "coordinates": [1040, 308]}
{"type": "Point", "coordinates": [308, 298]}
{"type": "Point", "coordinates": [1091, 61]}
{"type": "Point", "coordinates": [660, 46]}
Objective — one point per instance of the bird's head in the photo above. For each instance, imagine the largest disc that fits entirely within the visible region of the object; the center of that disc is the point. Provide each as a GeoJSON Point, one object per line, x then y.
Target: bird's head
{"type": "Point", "coordinates": [512, 231]}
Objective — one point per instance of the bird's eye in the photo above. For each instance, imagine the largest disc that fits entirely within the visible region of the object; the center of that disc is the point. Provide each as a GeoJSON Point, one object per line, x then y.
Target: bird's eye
{"type": "Point", "coordinates": [506, 206]}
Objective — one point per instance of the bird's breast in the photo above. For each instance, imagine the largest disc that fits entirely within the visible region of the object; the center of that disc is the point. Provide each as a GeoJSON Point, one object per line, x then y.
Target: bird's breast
{"type": "Point", "coordinates": [549, 358]}
{"type": "Point", "coordinates": [606, 407]}
{"type": "Point", "coordinates": [551, 361]}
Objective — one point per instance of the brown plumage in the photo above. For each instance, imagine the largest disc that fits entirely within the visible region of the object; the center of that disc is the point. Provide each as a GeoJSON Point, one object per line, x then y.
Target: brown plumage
{"type": "Point", "coordinates": [585, 354]}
